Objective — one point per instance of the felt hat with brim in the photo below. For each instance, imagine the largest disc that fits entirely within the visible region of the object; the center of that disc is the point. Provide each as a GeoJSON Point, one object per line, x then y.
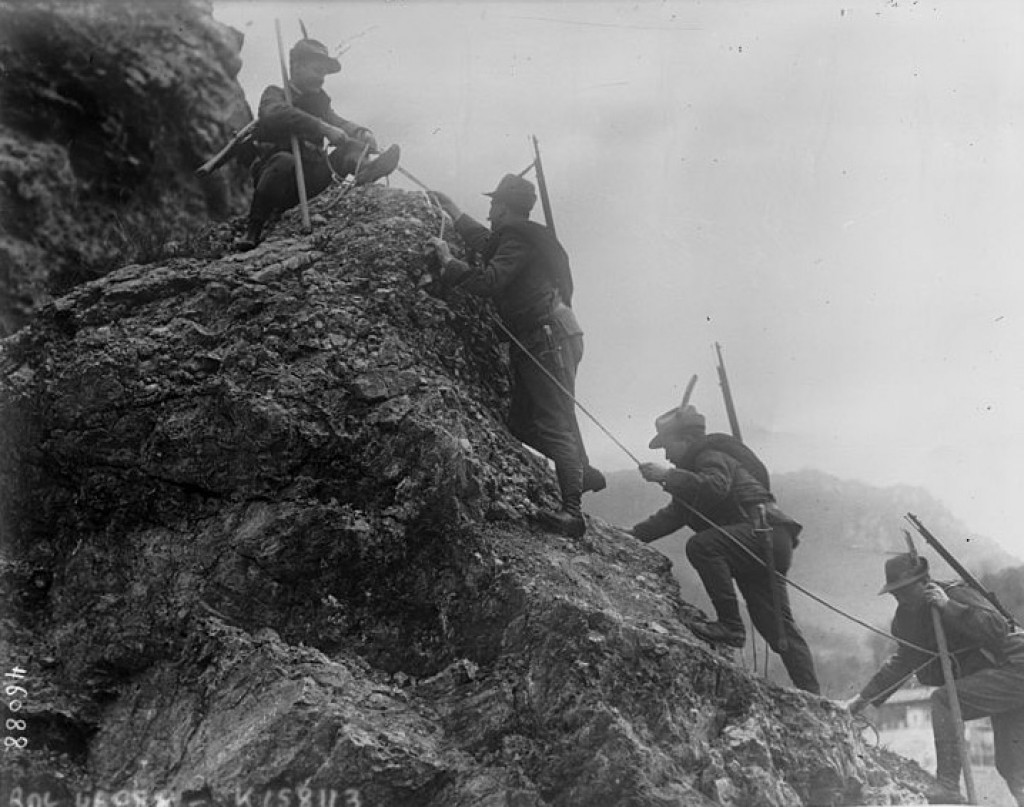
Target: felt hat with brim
{"type": "Point", "coordinates": [515, 191]}
{"type": "Point", "coordinates": [902, 570]}
{"type": "Point", "coordinates": [683, 421]}
{"type": "Point", "coordinates": [310, 50]}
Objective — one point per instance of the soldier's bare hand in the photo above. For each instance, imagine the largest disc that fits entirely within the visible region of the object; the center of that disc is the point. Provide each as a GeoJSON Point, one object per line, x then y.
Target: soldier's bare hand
{"type": "Point", "coordinates": [367, 137]}
{"type": "Point", "coordinates": [854, 705]}
{"type": "Point", "coordinates": [446, 203]}
{"type": "Point", "coordinates": [936, 596]}
{"type": "Point", "coordinates": [336, 136]}
{"type": "Point", "coordinates": [653, 472]}
{"type": "Point", "coordinates": [444, 252]}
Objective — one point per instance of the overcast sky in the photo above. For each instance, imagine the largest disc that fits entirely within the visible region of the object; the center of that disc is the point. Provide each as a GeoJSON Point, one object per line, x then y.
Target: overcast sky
{"type": "Point", "coordinates": [833, 191]}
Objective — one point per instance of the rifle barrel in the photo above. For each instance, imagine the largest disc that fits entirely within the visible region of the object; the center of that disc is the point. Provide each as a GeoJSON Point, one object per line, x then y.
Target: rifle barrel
{"type": "Point", "coordinates": [957, 567]}
{"type": "Point", "coordinates": [542, 186]}
{"type": "Point", "coordinates": [730, 407]}
{"type": "Point", "coordinates": [218, 159]}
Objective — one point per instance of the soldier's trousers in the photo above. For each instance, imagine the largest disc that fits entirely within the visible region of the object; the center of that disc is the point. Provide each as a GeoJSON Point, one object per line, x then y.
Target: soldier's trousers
{"type": "Point", "coordinates": [720, 559]}
{"type": "Point", "coordinates": [276, 188]}
{"type": "Point", "coordinates": [998, 693]}
{"type": "Point", "coordinates": [544, 417]}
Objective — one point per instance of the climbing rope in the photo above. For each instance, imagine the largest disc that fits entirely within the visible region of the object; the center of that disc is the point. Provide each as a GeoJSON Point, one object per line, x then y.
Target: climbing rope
{"type": "Point", "coordinates": [930, 653]}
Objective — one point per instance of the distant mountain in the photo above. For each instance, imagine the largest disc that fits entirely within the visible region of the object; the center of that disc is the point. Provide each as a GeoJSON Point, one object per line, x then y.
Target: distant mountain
{"type": "Point", "coordinates": [850, 528]}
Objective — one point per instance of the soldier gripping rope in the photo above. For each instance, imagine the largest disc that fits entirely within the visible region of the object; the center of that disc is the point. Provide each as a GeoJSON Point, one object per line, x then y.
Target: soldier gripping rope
{"type": "Point", "coordinates": [720, 489]}
{"type": "Point", "coordinates": [526, 271]}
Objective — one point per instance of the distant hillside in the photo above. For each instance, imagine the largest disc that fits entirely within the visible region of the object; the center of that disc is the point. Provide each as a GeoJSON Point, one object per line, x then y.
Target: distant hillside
{"type": "Point", "coordinates": [849, 530]}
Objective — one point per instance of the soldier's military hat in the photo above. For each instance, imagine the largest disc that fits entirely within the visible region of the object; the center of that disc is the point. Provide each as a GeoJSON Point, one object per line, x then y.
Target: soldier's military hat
{"type": "Point", "coordinates": [902, 570]}
{"type": "Point", "coordinates": [310, 50]}
{"type": "Point", "coordinates": [516, 192]}
{"type": "Point", "coordinates": [683, 421]}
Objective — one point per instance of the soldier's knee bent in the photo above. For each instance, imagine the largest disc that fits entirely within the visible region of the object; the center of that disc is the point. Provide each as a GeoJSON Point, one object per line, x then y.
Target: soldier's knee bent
{"type": "Point", "coordinates": [940, 698]}
{"type": "Point", "coordinates": [700, 546]}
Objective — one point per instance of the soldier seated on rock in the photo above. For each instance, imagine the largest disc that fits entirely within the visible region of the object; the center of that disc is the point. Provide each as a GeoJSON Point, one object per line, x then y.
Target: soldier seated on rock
{"type": "Point", "coordinates": [310, 118]}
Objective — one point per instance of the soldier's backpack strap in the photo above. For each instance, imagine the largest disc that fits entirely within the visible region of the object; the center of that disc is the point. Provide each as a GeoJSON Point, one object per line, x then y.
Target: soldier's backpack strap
{"type": "Point", "coordinates": [736, 449]}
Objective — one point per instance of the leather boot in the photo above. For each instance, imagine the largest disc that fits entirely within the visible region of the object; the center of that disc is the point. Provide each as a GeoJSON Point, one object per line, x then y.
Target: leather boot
{"type": "Point", "coordinates": [727, 630]}
{"type": "Point", "coordinates": [379, 167]}
{"type": "Point", "coordinates": [593, 480]}
{"type": "Point", "coordinates": [567, 521]}
{"type": "Point", "coordinates": [944, 792]}
{"type": "Point", "coordinates": [251, 237]}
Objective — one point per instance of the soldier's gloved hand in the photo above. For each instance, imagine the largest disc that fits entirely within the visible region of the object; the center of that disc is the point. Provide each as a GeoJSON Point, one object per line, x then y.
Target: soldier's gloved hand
{"type": "Point", "coordinates": [936, 596]}
{"type": "Point", "coordinates": [654, 472]}
{"type": "Point", "coordinates": [444, 252]}
{"type": "Point", "coordinates": [446, 203]}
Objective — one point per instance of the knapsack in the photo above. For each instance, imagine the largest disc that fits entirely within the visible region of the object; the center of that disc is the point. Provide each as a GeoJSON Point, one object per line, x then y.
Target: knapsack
{"type": "Point", "coordinates": [736, 449]}
{"type": "Point", "coordinates": [555, 259]}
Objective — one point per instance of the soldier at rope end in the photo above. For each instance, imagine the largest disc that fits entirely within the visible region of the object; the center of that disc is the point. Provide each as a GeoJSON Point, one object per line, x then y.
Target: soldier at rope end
{"type": "Point", "coordinates": [988, 670]}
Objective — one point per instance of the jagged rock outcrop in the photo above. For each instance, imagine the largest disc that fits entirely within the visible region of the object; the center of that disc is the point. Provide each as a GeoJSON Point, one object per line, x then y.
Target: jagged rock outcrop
{"type": "Point", "coordinates": [106, 109]}
{"type": "Point", "coordinates": [266, 530]}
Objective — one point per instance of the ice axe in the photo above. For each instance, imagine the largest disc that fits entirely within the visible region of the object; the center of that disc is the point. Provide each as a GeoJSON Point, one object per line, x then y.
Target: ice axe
{"type": "Point", "coordinates": [300, 180]}
{"type": "Point", "coordinates": [947, 675]}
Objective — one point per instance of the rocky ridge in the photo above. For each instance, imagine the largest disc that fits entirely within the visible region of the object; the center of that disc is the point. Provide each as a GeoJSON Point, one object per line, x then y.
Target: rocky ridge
{"type": "Point", "coordinates": [265, 529]}
{"type": "Point", "coordinates": [106, 109]}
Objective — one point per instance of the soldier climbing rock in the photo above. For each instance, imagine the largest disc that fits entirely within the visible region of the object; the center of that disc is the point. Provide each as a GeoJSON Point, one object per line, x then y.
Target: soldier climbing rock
{"type": "Point", "coordinates": [988, 670]}
{"type": "Point", "coordinates": [311, 119]}
{"type": "Point", "coordinates": [526, 271]}
{"type": "Point", "coordinates": [717, 485]}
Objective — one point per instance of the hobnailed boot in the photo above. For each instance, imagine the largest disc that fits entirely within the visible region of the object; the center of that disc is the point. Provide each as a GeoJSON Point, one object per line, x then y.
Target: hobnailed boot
{"type": "Point", "coordinates": [567, 521]}
{"type": "Point", "coordinates": [727, 630]}
{"type": "Point", "coordinates": [251, 237]}
{"type": "Point", "coordinates": [945, 791]}
{"type": "Point", "coordinates": [379, 167]}
{"type": "Point", "coordinates": [593, 480]}
{"type": "Point", "coordinates": [721, 633]}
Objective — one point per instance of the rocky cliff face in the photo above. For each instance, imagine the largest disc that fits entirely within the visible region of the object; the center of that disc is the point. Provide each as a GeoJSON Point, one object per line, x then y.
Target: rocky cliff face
{"type": "Point", "coordinates": [265, 531]}
{"type": "Point", "coordinates": [106, 108]}
{"type": "Point", "coordinates": [266, 540]}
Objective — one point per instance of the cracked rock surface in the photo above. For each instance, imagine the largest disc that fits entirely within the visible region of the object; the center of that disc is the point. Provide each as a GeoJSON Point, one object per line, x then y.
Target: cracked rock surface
{"type": "Point", "coordinates": [264, 528]}
{"type": "Point", "coordinates": [107, 107]}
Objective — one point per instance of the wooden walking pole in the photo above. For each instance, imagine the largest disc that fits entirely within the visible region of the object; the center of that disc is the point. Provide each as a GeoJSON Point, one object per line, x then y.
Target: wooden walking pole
{"type": "Point", "coordinates": [954, 698]}
{"type": "Point", "coordinates": [954, 706]}
{"type": "Point", "coordinates": [300, 179]}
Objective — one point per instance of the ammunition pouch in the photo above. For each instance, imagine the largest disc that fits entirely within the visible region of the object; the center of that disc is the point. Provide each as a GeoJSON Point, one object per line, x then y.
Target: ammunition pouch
{"type": "Point", "coordinates": [552, 352]}
{"type": "Point", "coordinates": [562, 321]}
{"type": "Point", "coordinates": [775, 518]}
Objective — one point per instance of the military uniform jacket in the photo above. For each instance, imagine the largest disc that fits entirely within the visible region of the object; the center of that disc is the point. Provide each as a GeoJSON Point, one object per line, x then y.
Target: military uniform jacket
{"type": "Point", "coordinates": [279, 120]}
{"type": "Point", "coordinates": [977, 635]}
{"type": "Point", "coordinates": [716, 485]}
{"type": "Point", "coordinates": [524, 270]}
